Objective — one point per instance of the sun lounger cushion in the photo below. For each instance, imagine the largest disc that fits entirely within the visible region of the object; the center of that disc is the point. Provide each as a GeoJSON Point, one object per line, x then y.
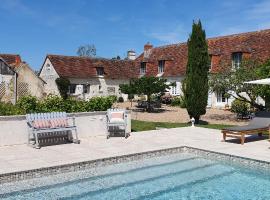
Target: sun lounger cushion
{"type": "Point", "coordinates": [260, 121]}
{"type": "Point", "coordinates": [245, 128]}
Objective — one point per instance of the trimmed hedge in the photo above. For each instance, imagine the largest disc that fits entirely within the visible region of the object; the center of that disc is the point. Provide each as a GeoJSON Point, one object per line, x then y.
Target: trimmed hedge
{"type": "Point", "coordinates": [30, 104]}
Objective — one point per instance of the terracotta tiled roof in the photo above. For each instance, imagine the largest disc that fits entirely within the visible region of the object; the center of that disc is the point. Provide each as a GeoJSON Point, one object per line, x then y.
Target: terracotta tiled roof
{"type": "Point", "coordinates": [83, 67]}
{"type": "Point", "coordinates": [255, 45]}
{"type": "Point", "coordinates": [13, 60]}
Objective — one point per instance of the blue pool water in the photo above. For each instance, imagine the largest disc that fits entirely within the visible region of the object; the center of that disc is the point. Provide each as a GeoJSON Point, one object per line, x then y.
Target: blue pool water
{"type": "Point", "coordinates": [179, 176]}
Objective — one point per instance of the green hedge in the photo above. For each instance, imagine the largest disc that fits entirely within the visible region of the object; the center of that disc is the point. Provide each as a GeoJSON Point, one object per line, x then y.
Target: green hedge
{"type": "Point", "coordinates": [30, 104]}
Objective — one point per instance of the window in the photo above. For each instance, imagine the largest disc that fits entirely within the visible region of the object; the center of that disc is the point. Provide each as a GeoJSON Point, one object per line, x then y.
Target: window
{"type": "Point", "coordinates": [236, 60]}
{"type": "Point", "coordinates": [85, 89]}
{"type": "Point", "coordinates": [111, 90]}
{"type": "Point", "coordinates": [143, 68]}
{"type": "Point", "coordinates": [161, 65]}
{"type": "Point", "coordinates": [100, 71]}
{"type": "Point", "coordinates": [221, 97]}
{"type": "Point", "coordinates": [72, 88]}
{"type": "Point", "coordinates": [175, 90]}
{"type": "Point", "coordinates": [48, 67]}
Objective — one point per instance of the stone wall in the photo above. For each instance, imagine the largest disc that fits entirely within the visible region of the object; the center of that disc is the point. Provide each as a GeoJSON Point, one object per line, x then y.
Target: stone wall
{"type": "Point", "coordinates": [28, 83]}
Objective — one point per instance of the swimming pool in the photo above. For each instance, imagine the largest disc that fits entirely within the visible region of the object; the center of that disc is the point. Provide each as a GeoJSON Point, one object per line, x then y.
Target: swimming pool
{"type": "Point", "coordinates": [175, 176]}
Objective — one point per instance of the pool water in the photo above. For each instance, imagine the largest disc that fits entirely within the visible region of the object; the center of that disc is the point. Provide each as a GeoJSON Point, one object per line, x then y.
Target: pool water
{"type": "Point", "coordinates": [177, 176]}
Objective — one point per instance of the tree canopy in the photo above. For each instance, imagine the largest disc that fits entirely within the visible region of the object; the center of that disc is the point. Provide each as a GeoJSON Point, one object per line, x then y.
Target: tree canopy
{"type": "Point", "coordinates": [146, 86]}
{"type": "Point", "coordinates": [232, 82]}
{"type": "Point", "coordinates": [88, 50]}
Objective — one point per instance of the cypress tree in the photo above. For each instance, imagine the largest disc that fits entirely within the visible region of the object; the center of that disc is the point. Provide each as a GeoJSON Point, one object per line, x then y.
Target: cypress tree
{"type": "Point", "coordinates": [196, 93]}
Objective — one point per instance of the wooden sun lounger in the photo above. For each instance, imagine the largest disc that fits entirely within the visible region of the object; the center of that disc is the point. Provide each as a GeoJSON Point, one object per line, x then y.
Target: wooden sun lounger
{"type": "Point", "coordinates": [259, 124]}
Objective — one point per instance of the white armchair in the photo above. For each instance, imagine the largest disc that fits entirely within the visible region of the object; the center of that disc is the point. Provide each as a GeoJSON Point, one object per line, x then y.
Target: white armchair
{"type": "Point", "coordinates": [116, 122]}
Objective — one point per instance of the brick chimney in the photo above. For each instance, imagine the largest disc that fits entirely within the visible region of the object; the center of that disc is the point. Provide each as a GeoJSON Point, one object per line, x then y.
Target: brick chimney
{"type": "Point", "coordinates": [148, 46]}
{"type": "Point", "coordinates": [17, 60]}
{"type": "Point", "coordinates": [147, 49]}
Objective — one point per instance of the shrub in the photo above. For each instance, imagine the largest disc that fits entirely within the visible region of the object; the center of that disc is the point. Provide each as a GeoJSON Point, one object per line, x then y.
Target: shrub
{"type": "Point", "coordinates": [28, 104]}
{"type": "Point", "coordinates": [179, 101]}
{"type": "Point", "coordinates": [240, 108]}
{"type": "Point", "coordinates": [98, 104]}
{"type": "Point", "coordinates": [10, 109]}
{"type": "Point", "coordinates": [120, 99]}
{"type": "Point", "coordinates": [52, 104]}
{"type": "Point", "coordinates": [113, 98]}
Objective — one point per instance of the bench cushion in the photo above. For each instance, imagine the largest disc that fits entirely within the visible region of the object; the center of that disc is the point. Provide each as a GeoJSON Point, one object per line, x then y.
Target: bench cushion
{"type": "Point", "coordinates": [52, 123]}
{"type": "Point", "coordinates": [55, 123]}
{"type": "Point", "coordinates": [41, 123]}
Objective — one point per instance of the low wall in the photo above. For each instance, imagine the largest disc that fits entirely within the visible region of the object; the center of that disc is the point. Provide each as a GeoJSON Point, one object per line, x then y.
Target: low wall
{"type": "Point", "coordinates": [13, 129]}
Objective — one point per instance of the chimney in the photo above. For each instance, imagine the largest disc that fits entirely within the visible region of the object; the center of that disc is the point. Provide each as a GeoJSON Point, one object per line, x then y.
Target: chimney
{"type": "Point", "coordinates": [148, 46]}
{"type": "Point", "coordinates": [18, 60]}
{"type": "Point", "coordinates": [147, 49]}
{"type": "Point", "coordinates": [131, 55]}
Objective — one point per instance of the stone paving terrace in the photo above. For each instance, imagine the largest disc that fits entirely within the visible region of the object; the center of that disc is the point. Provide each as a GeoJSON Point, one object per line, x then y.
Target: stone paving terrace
{"type": "Point", "coordinates": [22, 157]}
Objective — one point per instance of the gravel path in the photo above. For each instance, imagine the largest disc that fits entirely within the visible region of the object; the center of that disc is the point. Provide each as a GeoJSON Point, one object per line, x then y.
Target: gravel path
{"type": "Point", "coordinates": [176, 114]}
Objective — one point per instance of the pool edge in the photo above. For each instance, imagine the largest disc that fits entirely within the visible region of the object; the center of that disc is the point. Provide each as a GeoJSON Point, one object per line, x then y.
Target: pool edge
{"type": "Point", "coordinates": [52, 170]}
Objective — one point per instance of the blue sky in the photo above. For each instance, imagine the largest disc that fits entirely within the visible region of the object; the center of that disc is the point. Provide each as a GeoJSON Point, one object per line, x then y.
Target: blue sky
{"type": "Point", "coordinates": [34, 28]}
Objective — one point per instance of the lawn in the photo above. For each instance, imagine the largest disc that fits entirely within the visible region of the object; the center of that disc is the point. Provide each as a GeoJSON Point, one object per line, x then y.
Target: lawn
{"type": "Point", "coordinates": [137, 125]}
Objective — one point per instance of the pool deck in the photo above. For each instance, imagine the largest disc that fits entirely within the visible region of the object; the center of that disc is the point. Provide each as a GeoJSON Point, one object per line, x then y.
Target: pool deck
{"type": "Point", "coordinates": [22, 157]}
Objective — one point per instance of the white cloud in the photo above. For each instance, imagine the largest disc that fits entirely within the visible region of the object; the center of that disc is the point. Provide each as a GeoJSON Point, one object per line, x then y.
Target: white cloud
{"type": "Point", "coordinates": [16, 7]}
{"type": "Point", "coordinates": [171, 35]}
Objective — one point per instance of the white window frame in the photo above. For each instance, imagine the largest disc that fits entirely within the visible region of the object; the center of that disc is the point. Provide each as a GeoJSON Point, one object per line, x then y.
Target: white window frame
{"type": "Point", "coordinates": [236, 59]}
{"type": "Point", "coordinates": [143, 68]}
{"type": "Point", "coordinates": [161, 66]}
{"type": "Point", "coordinates": [220, 97]}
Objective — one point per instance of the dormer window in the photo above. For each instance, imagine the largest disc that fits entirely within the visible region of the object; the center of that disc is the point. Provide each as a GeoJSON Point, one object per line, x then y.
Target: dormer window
{"type": "Point", "coordinates": [236, 60]}
{"type": "Point", "coordinates": [100, 71]}
{"type": "Point", "coordinates": [143, 68]}
{"type": "Point", "coordinates": [161, 65]}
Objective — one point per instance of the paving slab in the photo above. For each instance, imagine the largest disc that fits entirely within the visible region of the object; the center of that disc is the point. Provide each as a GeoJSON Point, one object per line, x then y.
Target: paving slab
{"type": "Point", "coordinates": [22, 157]}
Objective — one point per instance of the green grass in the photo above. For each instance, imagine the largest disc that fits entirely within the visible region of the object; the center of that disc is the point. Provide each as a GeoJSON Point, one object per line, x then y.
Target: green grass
{"type": "Point", "coordinates": [137, 125]}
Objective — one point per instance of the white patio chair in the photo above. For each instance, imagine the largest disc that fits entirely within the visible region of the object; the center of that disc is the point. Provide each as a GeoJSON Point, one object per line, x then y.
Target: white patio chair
{"type": "Point", "coordinates": [116, 122]}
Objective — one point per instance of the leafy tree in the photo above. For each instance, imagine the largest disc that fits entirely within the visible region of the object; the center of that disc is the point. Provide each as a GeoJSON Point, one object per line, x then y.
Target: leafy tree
{"type": "Point", "coordinates": [88, 50]}
{"type": "Point", "coordinates": [196, 90]}
{"type": "Point", "coordinates": [129, 89]}
{"type": "Point", "coordinates": [62, 85]}
{"type": "Point", "coordinates": [233, 82]}
{"type": "Point", "coordinates": [146, 86]}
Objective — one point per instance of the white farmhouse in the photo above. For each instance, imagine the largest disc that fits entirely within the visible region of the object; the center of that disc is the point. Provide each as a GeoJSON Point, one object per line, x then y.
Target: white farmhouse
{"type": "Point", "coordinates": [89, 77]}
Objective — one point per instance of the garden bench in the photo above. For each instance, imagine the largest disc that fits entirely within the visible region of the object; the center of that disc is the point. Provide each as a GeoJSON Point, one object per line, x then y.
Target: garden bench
{"type": "Point", "coordinates": [48, 126]}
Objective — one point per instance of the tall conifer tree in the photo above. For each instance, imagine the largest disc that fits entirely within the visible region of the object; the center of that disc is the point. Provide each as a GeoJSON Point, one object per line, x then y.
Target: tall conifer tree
{"type": "Point", "coordinates": [196, 93]}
